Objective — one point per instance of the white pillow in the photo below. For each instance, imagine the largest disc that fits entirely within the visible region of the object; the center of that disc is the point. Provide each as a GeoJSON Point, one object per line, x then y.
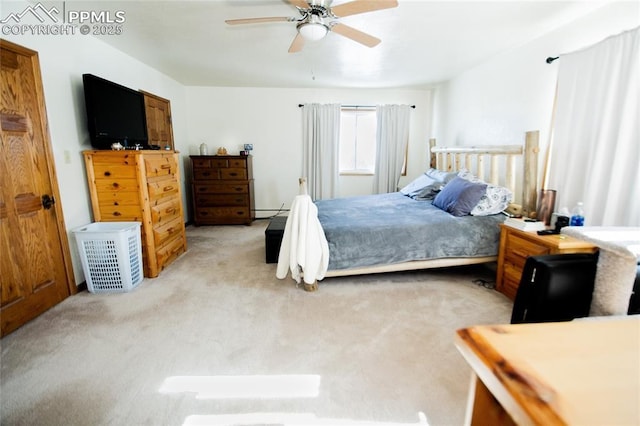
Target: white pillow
{"type": "Point", "coordinates": [413, 188]}
{"type": "Point", "coordinates": [425, 186]}
{"type": "Point", "coordinates": [495, 199]}
{"type": "Point", "coordinates": [441, 176]}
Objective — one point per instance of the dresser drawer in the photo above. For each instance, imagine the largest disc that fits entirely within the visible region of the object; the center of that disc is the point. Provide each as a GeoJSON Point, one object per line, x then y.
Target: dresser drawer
{"type": "Point", "coordinates": [162, 188]}
{"type": "Point", "coordinates": [200, 162]}
{"type": "Point", "coordinates": [160, 165]}
{"type": "Point", "coordinates": [171, 250]}
{"type": "Point", "coordinates": [223, 188]}
{"type": "Point", "coordinates": [212, 200]}
{"type": "Point", "coordinates": [233, 173]}
{"type": "Point", "coordinates": [219, 173]}
{"type": "Point", "coordinates": [166, 210]}
{"type": "Point", "coordinates": [219, 162]}
{"type": "Point", "coordinates": [238, 163]}
{"type": "Point", "coordinates": [511, 280]}
{"type": "Point", "coordinates": [105, 186]}
{"type": "Point", "coordinates": [518, 249]}
{"type": "Point", "coordinates": [219, 213]}
{"type": "Point", "coordinates": [165, 232]}
{"type": "Point", "coordinates": [114, 170]}
{"type": "Point", "coordinates": [120, 213]}
{"type": "Point", "coordinates": [206, 174]}
{"type": "Point", "coordinates": [118, 198]}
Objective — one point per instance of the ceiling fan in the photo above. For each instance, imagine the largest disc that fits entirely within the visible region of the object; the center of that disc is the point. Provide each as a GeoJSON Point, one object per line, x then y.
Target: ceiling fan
{"type": "Point", "coordinates": [317, 18]}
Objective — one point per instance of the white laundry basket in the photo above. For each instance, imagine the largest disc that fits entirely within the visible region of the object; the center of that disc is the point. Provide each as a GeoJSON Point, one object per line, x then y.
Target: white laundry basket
{"type": "Point", "coordinates": [111, 254]}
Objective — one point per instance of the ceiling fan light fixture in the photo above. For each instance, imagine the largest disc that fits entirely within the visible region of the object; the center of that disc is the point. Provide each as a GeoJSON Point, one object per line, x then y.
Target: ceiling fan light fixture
{"type": "Point", "coordinates": [313, 29]}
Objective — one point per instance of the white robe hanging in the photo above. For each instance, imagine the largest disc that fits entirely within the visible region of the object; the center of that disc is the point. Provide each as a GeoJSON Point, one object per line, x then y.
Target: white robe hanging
{"type": "Point", "coordinates": [304, 249]}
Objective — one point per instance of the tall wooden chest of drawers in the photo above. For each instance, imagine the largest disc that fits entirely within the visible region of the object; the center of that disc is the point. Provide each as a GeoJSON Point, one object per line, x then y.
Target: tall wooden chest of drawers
{"type": "Point", "coordinates": [222, 189]}
{"type": "Point", "coordinates": [141, 186]}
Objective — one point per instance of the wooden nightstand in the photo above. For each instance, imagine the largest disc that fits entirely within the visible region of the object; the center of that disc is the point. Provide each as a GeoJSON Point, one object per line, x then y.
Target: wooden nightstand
{"type": "Point", "coordinates": [517, 245]}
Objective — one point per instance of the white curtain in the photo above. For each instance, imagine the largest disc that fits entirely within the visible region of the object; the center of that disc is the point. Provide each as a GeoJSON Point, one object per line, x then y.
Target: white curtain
{"type": "Point", "coordinates": [321, 134]}
{"type": "Point", "coordinates": [391, 146]}
{"type": "Point", "coordinates": [595, 154]}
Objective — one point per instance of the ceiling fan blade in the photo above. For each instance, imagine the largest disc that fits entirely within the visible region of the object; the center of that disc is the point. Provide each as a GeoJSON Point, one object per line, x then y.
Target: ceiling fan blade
{"type": "Point", "coordinates": [355, 35]}
{"type": "Point", "coordinates": [302, 4]}
{"type": "Point", "coordinates": [297, 44]}
{"type": "Point", "coordinates": [259, 20]}
{"type": "Point", "coordinates": [361, 6]}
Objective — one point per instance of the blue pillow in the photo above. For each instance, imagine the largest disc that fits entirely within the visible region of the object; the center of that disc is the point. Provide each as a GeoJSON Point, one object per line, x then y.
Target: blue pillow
{"type": "Point", "coordinates": [459, 196]}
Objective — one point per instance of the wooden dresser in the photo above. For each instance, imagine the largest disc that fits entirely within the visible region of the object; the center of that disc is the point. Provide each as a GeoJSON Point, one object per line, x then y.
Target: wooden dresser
{"type": "Point", "coordinates": [222, 189]}
{"type": "Point", "coordinates": [517, 245]}
{"type": "Point", "coordinates": [142, 186]}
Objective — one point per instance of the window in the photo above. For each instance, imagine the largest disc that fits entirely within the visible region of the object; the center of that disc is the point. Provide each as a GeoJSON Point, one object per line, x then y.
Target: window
{"type": "Point", "coordinates": [357, 152]}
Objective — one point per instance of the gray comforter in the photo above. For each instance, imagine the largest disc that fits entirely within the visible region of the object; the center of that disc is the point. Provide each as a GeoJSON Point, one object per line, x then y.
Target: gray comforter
{"type": "Point", "coordinates": [392, 228]}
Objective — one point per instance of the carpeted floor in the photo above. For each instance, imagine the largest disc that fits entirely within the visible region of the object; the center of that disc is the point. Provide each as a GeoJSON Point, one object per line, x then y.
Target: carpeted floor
{"type": "Point", "coordinates": [373, 349]}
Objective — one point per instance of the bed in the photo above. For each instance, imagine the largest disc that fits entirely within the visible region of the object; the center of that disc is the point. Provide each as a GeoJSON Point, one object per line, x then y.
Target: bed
{"type": "Point", "coordinates": [396, 232]}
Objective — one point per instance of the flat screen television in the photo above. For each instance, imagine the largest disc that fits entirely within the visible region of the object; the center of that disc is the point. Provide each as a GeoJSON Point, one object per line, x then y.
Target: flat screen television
{"type": "Point", "coordinates": [114, 113]}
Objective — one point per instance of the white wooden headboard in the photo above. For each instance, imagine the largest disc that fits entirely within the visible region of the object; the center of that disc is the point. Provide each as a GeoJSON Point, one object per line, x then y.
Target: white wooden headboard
{"type": "Point", "coordinates": [501, 162]}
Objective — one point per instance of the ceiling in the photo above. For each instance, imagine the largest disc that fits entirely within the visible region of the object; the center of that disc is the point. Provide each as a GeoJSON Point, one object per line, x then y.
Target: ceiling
{"type": "Point", "coordinates": [423, 42]}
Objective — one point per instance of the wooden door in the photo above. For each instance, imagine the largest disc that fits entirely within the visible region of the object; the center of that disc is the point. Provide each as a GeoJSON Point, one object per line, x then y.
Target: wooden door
{"type": "Point", "coordinates": [35, 268]}
{"type": "Point", "coordinates": [159, 128]}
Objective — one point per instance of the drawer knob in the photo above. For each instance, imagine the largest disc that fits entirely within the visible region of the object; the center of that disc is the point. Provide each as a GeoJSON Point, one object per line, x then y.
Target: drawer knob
{"type": "Point", "coordinates": [165, 166]}
{"type": "Point", "coordinates": [117, 214]}
{"type": "Point", "coordinates": [170, 210]}
{"type": "Point", "coordinates": [167, 188]}
{"type": "Point", "coordinates": [107, 173]}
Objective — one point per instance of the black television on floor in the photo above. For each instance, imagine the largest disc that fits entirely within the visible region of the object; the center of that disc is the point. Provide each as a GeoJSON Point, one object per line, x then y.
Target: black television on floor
{"type": "Point", "coordinates": [115, 113]}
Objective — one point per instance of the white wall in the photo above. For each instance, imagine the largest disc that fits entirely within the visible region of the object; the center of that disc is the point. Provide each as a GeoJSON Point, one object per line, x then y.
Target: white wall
{"type": "Point", "coordinates": [499, 100]}
{"type": "Point", "coordinates": [63, 60]}
{"type": "Point", "coordinates": [271, 120]}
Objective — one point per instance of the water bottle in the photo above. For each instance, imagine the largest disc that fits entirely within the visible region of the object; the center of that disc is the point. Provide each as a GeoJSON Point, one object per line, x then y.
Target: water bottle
{"type": "Point", "coordinates": [577, 215]}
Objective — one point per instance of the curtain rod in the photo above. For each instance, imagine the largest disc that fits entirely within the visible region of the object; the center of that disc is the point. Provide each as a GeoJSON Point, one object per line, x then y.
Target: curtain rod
{"type": "Point", "coordinates": [357, 106]}
{"type": "Point", "coordinates": [551, 59]}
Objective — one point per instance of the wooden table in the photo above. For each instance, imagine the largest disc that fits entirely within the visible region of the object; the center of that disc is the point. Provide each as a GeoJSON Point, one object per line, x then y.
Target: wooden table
{"type": "Point", "coordinates": [574, 373]}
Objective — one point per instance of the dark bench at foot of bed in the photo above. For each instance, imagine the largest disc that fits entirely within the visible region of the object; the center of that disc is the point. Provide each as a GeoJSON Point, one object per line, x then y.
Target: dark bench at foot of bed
{"type": "Point", "coordinates": [273, 238]}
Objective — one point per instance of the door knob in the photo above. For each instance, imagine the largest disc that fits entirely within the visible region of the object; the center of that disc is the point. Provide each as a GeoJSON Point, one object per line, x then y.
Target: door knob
{"type": "Point", "coordinates": [48, 201]}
